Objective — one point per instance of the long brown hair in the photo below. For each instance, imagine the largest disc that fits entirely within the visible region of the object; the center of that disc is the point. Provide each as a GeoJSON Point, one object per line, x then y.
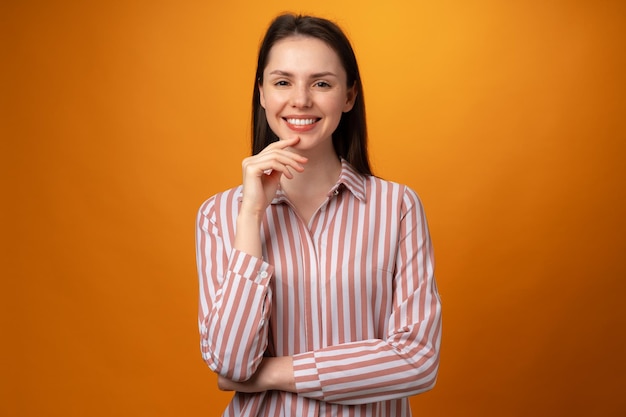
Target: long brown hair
{"type": "Point", "coordinates": [350, 137]}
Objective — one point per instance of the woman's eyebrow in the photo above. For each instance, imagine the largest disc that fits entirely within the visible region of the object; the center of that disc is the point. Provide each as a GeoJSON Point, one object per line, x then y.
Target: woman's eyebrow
{"type": "Point", "coordinates": [323, 74]}
{"type": "Point", "coordinates": [281, 73]}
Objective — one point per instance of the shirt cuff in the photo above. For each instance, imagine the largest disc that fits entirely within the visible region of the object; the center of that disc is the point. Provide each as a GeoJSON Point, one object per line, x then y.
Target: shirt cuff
{"type": "Point", "coordinates": [306, 377]}
{"type": "Point", "coordinates": [250, 267]}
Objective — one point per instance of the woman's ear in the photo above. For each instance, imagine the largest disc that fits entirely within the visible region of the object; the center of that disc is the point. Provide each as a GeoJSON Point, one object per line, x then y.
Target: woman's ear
{"type": "Point", "coordinates": [350, 98]}
{"type": "Point", "coordinates": [261, 95]}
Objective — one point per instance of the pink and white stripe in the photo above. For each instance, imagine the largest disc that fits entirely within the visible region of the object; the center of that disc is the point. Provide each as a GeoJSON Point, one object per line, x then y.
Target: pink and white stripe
{"type": "Point", "coordinates": [351, 296]}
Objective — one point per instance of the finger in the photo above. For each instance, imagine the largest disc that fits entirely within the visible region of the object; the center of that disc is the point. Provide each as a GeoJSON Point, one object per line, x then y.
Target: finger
{"type": "Point", "coordinates": [274, 167]}
{"type": "Point", "coordinates": [270, 160]}
{"type": "Point", "coordinates": [283, 153]}
{"type": "Point", "coordinates": [284, 143]}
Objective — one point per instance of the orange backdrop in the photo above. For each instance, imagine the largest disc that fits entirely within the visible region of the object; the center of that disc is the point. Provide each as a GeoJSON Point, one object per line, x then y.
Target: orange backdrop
{"type": "Point", "coordinates": [120, 117]}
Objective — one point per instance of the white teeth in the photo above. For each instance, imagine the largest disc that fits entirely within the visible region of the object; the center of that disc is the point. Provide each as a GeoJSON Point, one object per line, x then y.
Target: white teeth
{"type": "Point", "coordinates": [301, 122]}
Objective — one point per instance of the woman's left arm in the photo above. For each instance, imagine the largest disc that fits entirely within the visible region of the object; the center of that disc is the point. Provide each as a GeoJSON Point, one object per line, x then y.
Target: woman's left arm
{"type": "Point", "coordinates": [406, 362]}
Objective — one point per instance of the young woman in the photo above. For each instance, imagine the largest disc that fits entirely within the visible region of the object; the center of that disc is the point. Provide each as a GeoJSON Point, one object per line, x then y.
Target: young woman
{"type": "Point", "coordinates": [317, 293]}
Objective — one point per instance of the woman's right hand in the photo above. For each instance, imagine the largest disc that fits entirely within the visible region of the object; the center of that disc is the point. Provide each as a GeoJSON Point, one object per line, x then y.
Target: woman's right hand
{"type": "Point", "coordinates": [261, 177]}
{"type": "Point", "coordinates": [262, 173]}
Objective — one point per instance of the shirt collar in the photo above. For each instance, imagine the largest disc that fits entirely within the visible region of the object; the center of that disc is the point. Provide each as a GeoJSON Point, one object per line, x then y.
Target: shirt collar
{"type": "Point", "coordinates": [351, 180]}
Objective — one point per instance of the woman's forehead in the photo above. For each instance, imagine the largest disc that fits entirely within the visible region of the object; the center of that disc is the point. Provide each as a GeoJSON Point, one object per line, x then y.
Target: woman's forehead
{"type": "Point", "coordinates": [297, 54]}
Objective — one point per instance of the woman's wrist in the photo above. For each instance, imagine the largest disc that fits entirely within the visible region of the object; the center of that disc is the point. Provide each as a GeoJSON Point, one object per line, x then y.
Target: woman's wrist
{"type": "Point", "coordinates": [248, 234]}
{"type": "Point", "coordinates": [250, 217]}
{"type": "Point", "coordinates": [278, 374]}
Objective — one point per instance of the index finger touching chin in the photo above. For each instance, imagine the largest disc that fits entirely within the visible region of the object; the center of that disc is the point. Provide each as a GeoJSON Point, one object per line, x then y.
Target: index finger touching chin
{"type": "Point", "coordinates": [289, 141]}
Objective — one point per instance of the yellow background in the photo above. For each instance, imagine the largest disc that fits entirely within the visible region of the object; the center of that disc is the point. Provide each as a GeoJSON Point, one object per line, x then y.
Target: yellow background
{"type": "Point", "coordinates": [120, 117]}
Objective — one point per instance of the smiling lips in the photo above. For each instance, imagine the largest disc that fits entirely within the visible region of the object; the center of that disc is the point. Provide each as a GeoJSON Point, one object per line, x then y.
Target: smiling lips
{"type": "Point", "coordinates": [301, 124]}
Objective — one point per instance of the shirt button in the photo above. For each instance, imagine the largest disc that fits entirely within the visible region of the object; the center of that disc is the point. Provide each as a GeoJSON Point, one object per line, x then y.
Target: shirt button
{"type": "Point", "coordinates": [263, 274]}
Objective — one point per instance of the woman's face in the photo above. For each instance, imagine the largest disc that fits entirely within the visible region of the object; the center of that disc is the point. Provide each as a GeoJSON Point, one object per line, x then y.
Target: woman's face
{"type": "Point", "coordinates": [304, 91]}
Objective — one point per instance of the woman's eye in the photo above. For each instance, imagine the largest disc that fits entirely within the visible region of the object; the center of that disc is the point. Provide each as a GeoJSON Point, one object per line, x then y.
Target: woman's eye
{"type": "Point", "coordinates": [281, 83]}
{"type": "Point", "coordinates": [322, 84]}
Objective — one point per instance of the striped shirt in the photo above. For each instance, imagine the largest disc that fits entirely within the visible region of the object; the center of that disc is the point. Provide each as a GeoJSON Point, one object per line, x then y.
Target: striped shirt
{"type": "Point", "coordinates": [351, 296]}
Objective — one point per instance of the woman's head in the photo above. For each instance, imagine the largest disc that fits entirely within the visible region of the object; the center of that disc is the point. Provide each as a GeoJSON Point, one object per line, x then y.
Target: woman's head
{"type": "Point", "coordinates": [350, 137]}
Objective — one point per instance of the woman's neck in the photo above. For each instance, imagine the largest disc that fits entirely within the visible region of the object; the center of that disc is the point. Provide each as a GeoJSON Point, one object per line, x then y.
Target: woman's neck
{"type": "Point", "coordinates": [308, 190]}
{"type": "Point", "coordinates": [319, 175]}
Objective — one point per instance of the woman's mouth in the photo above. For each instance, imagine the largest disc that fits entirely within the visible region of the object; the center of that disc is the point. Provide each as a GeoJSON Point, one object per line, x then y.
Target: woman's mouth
{"type": "Point", "coordinates": [301, 124]}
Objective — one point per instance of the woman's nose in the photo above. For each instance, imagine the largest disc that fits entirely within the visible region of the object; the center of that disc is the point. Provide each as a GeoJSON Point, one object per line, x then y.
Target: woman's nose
{"type": "Point", "coordinates": [301, 97]}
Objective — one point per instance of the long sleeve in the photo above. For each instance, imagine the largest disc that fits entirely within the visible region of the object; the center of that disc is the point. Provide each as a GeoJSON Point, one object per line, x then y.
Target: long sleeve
{"type": "Point", "coordinates": [406, 362]}
{"type": "Point", "coordinates": [235, 298]}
